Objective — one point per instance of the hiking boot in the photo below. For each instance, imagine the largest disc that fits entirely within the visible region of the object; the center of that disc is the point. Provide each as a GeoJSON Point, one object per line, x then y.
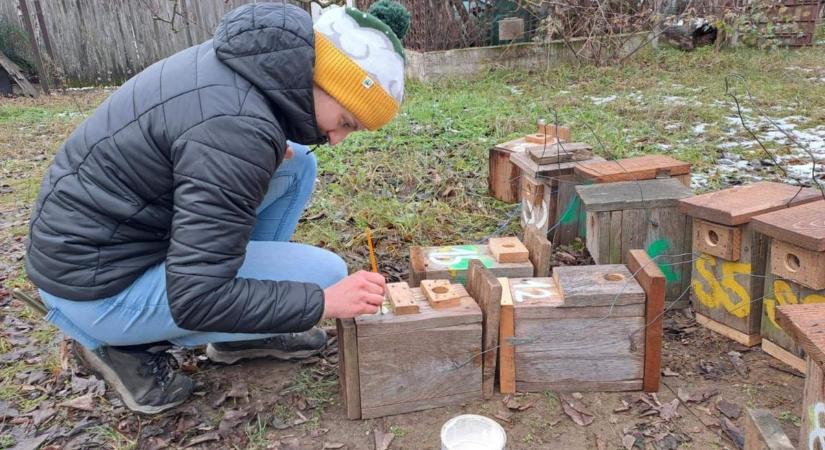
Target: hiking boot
{"type": "Point", "coordinates": [145, 379]}
{"type": "Point", "coordinates": [284, 346]}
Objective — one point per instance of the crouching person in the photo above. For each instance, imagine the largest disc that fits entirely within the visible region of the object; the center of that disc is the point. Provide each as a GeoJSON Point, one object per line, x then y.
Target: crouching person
{"type": "Point", "coordinates": [165, 218]}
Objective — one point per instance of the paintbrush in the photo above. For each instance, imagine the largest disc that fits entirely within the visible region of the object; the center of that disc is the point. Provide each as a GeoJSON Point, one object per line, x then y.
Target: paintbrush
{"type": "Point", "coordinates": [372, 260]}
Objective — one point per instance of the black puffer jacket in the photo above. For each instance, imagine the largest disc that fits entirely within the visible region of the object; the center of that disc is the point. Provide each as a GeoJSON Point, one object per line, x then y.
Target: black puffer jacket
{"type": "Point", "coordinates": [171, 168]}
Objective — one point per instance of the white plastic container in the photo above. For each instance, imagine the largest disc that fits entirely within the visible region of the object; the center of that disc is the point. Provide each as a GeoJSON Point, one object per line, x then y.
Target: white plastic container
{"type": "Point", "coordinates": [472, 432]}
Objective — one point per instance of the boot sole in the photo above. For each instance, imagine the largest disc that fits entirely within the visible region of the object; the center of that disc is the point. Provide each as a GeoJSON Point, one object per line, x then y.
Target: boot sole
{"type": "Point", "coordinates": [231, 357]}
{"type": "Point", "coordinates": [101, 369]}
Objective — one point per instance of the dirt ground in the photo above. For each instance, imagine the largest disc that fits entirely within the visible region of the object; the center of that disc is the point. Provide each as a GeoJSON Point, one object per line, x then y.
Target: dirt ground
{"type": "Point", "coordinates": [279, 405]}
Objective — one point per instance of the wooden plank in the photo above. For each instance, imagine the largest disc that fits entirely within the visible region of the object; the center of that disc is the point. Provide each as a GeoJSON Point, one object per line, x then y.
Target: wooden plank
{"type": "Point", "coordinates": [737, 205]}
{"type": "Point", "coordinates": [764, 432]}
{"type": "Point", "coordinates": [467, 312]}
{"type": "Point", "coordinates": [508, 250]}
{"type": "Point", "coordinates": [555, 130]}
{"type": "Point", "coordinates": [540, 138]}
{"type": "Point", "coordinates": [633, 169]}
{"type": "Point", "coordinates": [580, 386]}
{"type": "Point", "coordinates": [372, 412]}
{"type": "Point", "coordinates": [418, 266]}
{"type": "Point", "coordinates": [615, 241]}
{"type": "Point", "coordinates": [624, 195]}
{"type": "Point", "coordinates": [528, 311]}
{"type": "Point", "coordinates": [532, 203]}
{"type": "Point", "coordinates": [410, 371]}
{"type": "Point", "coordinates": [401, 299]}
{"type": "Point", "coordinates": [506, 351]}
{"type": "Point", "coordinates": [652, 281]}
{"type": "Point", "coordinates": [804, 225]}
{"type": "Point", "coordinates": [635, 230]}
{"type": "Point", "coordinates": [451, 262]}
{"type": "Point", "coordinates": [593, 237]}
{"type": "Point", "coordinates": [553, 152]}
{"type": "Point", "coordinates": [569, 211]}
{"type": "Point", "coordinates": [813, 407]}
{"type": "Point", "coordinates": [722, 291]}
{"type": "Point", "coordinates": [17, 75]}
{"type": "Point", "coordinates": [544, 172]}
{"type": "Point", "coordinates": [572, 350]}
{"type": "Point", "coordinates": [798, 264]}
{"type": "Point", "coordinates": [487, 291]}
{"type": "Point", "coordinates": [603, 285]}
{"type": "Point", "coordinates": [604, 239]}
{"type": "Point", "coordinates": [42, 73]}
{"type": "Point", "coordinates": [669, 233]}
{"type": "Point", "coordinates": [540, 250]}
{"type": "Point", "coordinates": [783, 355]}
{"type": "Point", "coordinates": [348, 377]}
{"type": "Point", "coordinates": [503, 178]}
{"type": "Point", "coordinates": [440, 294]}
{"type": "Point", "coordinates": [745, 339]}
{"type": "Point", "coordinates": [806, 324]}
{"type": "Point", "coordinates": [717, 240]}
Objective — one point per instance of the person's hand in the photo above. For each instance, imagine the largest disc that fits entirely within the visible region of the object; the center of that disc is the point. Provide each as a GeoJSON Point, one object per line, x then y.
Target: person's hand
{"type": "Point", "coordinates": [289, 153]}
{"type": "Point", "coordinates": [357, 294]}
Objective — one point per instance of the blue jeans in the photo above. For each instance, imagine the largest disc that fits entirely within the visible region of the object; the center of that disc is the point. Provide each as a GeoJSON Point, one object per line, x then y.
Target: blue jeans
{"type": "Point", "coordinates": [140, 314]}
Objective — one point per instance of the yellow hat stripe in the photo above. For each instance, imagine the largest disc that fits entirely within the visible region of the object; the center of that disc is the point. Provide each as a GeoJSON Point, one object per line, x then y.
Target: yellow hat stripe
{"type": "Point", "coordinates": [354, 89]}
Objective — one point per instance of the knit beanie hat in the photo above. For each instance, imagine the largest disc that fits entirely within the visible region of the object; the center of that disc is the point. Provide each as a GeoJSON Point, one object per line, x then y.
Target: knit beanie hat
{"type": "Point", "coordinates": [359, 60]}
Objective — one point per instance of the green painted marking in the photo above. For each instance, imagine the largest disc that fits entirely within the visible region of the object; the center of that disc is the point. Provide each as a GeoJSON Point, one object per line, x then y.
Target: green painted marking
{"type": "Point", "coordinates": [657, 248]}
{"type": "Point", "coordinates": [571, 213]}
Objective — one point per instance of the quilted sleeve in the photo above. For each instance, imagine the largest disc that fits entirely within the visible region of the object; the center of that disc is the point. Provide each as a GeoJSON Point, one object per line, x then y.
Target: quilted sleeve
{"type": "Point", "coordinates": [221, 171]}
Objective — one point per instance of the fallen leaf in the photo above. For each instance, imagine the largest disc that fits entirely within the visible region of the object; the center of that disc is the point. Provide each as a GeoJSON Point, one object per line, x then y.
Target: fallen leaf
{"type": "Point", "coordinates": [625, 407]}
{"type": "Point", "coordinates": [732, 432]}
{"type": "Point", "coordinates": [231, 419]}
{"type": "Point", "coordinates": [600, 444]}
{"type": "Point", "coordinates": [629, 441]}
{"type": "Point", "coordinates": [239, 390]}
{"type": "Point", "coordinates": [504, 414]}
{"type": "Point", "coordinates": [738, 364]}
{"type": "Point", "coordinates": [333, 445]}
{"type": "Point", "coordinates": [668, 411]}
{"type": "Point", "coordinates": [731, 410]}
{"type": "Point", "coordinates": [41, 415]}
{"type": "Point", "coordinates": [83, 403]}
{"type": "Point", "coordinates": [318, 432]}
{"type": "Point", "coordinates": [576, 410]}
{"type": "Point", "coordinates": [31, 443]}
{"type": "Point", "coordinates": [220, 400]}
{"type": "Point", "coordinates": [666, 441]}
{"type": "Point", "coordinates": [383, 440]}
{"type": "Point", "coordinates": [669, 373]}
{"type": "Point", "coordinates": [208, 437]}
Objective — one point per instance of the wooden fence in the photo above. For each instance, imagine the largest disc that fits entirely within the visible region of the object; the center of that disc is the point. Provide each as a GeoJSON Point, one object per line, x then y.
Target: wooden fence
{"type": "Point", "coordinates": [107, 41]}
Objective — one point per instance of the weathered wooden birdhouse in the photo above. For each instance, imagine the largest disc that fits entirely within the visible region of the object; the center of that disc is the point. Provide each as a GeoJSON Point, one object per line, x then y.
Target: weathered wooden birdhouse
{"type": "Point", "coordinates": [726, 295]}
{"type": "Point", "coordinates": [504, 177]}
{"type": "Point", "coordinates": [423, 352]}
{"type": "Point", "coordinates": [638, 168]}
{"type": "Point", "coordinates": [504, 257]}
{"type": "Point", "coordinates": [641, 215]}
{"type": "Point", "coordinates": [547, 188]}
{"type": "Point", "coordinates": [806, 325]}
{"type": "Point", "coordinates": [795, 271]}
{"type": "Point", "coordinates": [588, 328]}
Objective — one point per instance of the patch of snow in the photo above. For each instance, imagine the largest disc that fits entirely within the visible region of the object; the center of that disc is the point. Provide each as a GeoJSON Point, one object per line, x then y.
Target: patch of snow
{"type": "Point", "coordinates": [603, 100]}
{"type": "Point", "coordinates": [699, 128]}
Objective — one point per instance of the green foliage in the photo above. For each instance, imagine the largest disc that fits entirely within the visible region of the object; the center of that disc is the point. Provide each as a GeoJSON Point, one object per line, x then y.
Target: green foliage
{"type": "Point", "coordinates": [394, 14]}
{"type": "Point", "coordinates": [13, 43]}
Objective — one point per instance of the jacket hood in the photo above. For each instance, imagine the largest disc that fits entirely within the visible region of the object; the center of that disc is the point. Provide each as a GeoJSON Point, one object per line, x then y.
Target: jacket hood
{"type": "Point", "coordinates": [273, 46]}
